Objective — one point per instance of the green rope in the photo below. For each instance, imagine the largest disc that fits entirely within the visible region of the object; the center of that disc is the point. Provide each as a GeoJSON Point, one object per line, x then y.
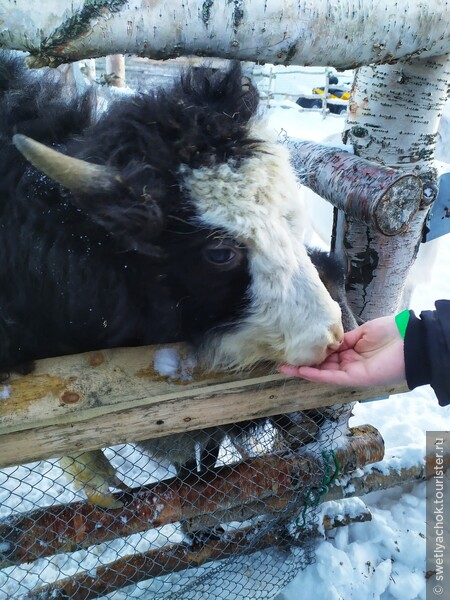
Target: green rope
{"type": "Point", "coordinates": [314, 494]}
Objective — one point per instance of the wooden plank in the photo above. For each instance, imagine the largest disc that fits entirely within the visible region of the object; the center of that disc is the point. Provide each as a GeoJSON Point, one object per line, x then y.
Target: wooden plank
{"type": "Point", "coordinates": [73, 388]}
{"type": "Point", "coordinates": [97, 399]}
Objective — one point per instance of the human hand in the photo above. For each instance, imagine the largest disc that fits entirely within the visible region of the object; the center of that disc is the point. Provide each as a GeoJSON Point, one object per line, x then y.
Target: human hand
{"type": "Point", "coordinates": [371, 354]}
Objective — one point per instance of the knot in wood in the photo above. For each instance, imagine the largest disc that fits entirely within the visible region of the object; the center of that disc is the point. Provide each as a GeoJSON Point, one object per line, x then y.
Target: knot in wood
{"type": "Point", "coordinates": [96, 359]}
{"type": "Point", "coordinates": [359, 131]}
{"type": "Point", "coordinates": [70, 397]}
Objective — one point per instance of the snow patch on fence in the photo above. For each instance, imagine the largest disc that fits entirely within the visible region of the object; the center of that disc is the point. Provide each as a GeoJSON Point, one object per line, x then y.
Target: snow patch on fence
{"type": "Point", "coordinates": [168, 363]}
{"type": "Point", "coordinates": [5, 392]}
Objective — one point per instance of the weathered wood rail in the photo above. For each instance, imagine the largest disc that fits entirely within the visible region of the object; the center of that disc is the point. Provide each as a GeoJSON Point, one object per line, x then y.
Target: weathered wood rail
{"type": "Point", "coordinates": [96, 399]}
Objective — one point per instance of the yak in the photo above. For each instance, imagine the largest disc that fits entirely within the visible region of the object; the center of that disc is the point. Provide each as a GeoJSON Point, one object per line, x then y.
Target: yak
{"type": "Point", "coordinates": [171, 216]}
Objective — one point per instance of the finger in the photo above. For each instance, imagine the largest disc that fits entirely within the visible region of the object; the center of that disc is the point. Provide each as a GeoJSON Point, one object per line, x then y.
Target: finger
{"type": "Point", "coordinates": [288, 370]}
{"type": "Point", "coordinates": [331, 362]}
{"type": "Point", "coordinates": [351, 338]}
{"type": "Point", "coordinates": [332, 376]}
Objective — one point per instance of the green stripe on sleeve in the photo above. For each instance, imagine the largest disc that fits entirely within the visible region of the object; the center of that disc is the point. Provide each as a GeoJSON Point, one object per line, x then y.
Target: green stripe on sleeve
{"type": "Point", "coordinates": [402, 320]}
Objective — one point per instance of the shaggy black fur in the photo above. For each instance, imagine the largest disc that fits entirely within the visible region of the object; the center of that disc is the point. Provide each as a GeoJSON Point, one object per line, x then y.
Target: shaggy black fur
{"type": "Point", "coordinates": [82, 272]}
{"type": "Point", "coordinates": [79, 273]}
{"type": "Point", "coordinates": [332, 273]}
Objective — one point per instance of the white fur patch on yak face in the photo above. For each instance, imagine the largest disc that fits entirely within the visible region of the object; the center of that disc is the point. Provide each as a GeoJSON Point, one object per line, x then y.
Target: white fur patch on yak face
{"type": "Point", "coordinates": [291, 317]}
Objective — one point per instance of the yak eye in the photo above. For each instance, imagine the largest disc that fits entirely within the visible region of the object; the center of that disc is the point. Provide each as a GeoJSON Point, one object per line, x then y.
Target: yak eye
{"type": "Point", "coordinates": [223, 254]}
{"type": "Point", "coordinates": [219, 256]}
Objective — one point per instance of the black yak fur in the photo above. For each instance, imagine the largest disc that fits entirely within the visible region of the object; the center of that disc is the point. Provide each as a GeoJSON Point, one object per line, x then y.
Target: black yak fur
{"type": "Point", "coordinates": [120, 269]}
{"type": "Point", "coordinates": [131, 265]}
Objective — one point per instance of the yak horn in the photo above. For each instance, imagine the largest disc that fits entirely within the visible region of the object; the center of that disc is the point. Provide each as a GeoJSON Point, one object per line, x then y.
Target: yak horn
{"type": "Point", "coordinates": [74, 174]}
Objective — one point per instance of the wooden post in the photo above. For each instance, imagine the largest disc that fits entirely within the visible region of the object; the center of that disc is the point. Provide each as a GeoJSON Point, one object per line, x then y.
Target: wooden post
{"type": "Point", "coordinates": [89, 69]}
{"type": "Point", "coordinates": [393, 117]}
{"type": "Point", "coordinates": [115, 70]}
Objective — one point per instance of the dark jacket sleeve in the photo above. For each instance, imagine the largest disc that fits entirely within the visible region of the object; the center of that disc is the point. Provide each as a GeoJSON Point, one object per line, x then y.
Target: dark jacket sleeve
{"type": "Point", "coordinates": [427, 350]}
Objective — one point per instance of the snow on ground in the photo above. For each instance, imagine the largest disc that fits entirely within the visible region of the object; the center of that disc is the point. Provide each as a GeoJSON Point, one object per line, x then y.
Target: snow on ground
{"type": "Point", "coordinates": [383, 559]}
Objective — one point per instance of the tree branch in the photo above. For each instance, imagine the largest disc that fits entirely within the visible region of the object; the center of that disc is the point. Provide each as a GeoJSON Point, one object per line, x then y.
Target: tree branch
{"type": "Point", "coordinates": [276, 478]}
{"type": "Point", "coordinates": [366, 191]}
{"type": "Point", "coordinates": [362, 31]}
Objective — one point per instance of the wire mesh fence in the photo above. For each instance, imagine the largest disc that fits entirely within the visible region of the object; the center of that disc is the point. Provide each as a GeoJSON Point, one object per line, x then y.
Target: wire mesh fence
{"type": "Point", "coordinates": [237, 520]}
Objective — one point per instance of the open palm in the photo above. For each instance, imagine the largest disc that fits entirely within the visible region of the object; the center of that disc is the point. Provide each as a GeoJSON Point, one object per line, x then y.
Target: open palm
{"type": "Point", "coordinates": [369, 355]}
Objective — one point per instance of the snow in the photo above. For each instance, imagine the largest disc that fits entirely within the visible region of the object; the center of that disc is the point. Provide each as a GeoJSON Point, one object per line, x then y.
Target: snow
{"type": "Point", "coordinates": [5, 392]}
{"type": "Point", "coordinates": [168, 363]}
{"type": "Point", "coordinates": [303, 123]}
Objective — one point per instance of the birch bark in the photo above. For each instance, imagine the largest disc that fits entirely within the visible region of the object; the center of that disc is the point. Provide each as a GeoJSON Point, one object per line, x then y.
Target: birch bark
{"type": "Point", "coordinates": [312, 32]}
{"type": "Point", "coordinates": [393, 118]}
{"type": "Point", "coordinates": [366, 191]}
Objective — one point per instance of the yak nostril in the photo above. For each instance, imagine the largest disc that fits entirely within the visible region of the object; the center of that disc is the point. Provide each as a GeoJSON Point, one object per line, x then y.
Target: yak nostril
{"type": "Point", "coordinates": [337, 336]}
{"type": "Point", "coordinates": [333, 347]}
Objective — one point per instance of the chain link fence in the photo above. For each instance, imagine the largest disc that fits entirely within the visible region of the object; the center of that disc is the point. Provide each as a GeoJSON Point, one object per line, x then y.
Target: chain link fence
{"type": "Point", "coordinates": [241, 529]}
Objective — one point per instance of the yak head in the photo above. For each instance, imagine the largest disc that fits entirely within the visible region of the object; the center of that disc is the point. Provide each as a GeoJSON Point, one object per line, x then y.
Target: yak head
{"type": "Point", "coordinates": [193, 185]}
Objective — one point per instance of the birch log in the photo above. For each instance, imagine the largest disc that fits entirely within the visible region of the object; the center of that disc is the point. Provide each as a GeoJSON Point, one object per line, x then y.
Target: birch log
{"type": "Point", "coordinates": [115, 70]}
{"type": "Point", "coordinates": [271, 482]}
{"type": "Point", "coordinates": [311, 32]}
{"type": "Point", "coordinates": [393, 117]}
{"type": "Point", "coordinates": [366, 191]}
